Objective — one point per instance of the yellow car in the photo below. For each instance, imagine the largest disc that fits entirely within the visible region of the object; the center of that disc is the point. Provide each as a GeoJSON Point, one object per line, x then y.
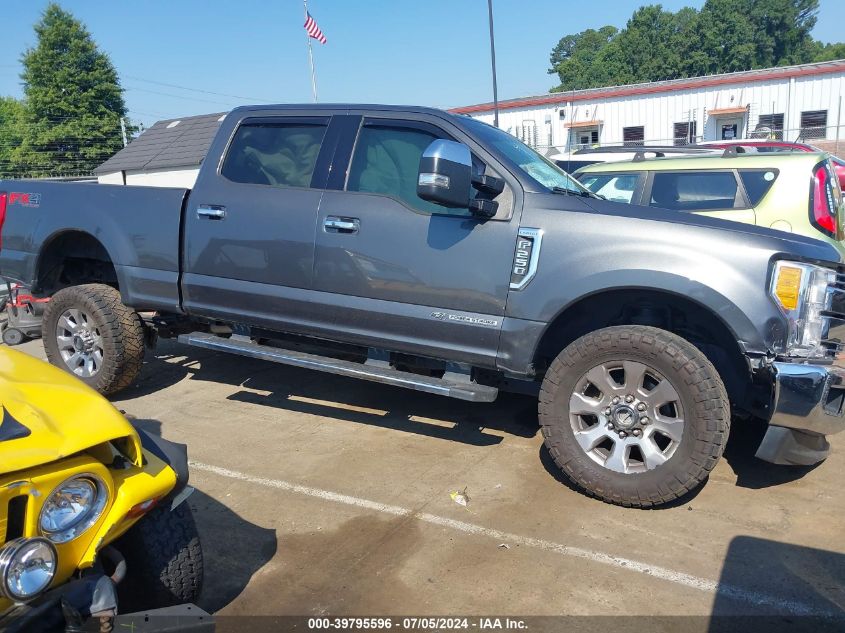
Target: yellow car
{"type": "Point", "coordinates": [85, 499]}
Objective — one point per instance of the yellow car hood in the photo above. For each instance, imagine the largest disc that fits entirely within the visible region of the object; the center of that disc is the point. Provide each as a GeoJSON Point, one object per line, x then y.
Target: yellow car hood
{"type": "Point", "coordinates": [48, 414]}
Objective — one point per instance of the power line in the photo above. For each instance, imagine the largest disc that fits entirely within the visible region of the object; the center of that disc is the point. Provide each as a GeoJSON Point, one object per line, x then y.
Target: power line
{"type": "Point", "coordinates": [208, 92]}
{"type": "Point", "coordinates": [187, 98]}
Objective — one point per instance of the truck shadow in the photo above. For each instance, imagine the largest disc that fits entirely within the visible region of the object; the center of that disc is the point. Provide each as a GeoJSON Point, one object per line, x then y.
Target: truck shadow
{"type": "Point", "coordinates": [772, 586]}
{"type": "Point", "coordinates": [361, 402]}
{"type": "Point", "coordinates": [751, 472]}
{"type": "Point", "coordinates": [347, 399]}
{"type": "Point", "coordinates": [233, 548]}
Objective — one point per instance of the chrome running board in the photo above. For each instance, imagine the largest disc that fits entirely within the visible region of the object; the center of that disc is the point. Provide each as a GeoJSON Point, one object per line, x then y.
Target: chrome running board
{"type": "Point", "coordinates": [462, 390]}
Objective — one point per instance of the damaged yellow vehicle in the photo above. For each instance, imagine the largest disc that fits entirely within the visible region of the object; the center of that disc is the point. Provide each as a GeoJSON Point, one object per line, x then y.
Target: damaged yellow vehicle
{"type": "Point", "coordinates": [87, 501]}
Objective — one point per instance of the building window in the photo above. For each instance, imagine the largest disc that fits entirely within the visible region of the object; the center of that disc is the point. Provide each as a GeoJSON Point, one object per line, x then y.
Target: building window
{"type": "Point", "coordinates": [633, 136]}
{"type": "Point", "coordinates": [684, 133]}
{"type": "Point", "coordinates": [814, 124]}
{"type": "Point", "coordinates": [769, 126]}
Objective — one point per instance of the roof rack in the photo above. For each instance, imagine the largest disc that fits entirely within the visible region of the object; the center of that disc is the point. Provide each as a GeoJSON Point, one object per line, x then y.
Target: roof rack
{"type": "Point", "coordinates": [659, 150]}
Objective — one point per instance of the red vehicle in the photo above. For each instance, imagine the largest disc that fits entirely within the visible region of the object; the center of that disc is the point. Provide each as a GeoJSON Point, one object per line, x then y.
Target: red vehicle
{"type": "Point", "coordinates": [782, 146]}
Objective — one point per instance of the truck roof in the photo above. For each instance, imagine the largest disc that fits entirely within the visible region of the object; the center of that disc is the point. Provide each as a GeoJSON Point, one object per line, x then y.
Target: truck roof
{"type": "Point", "coordinates": [346, 106]}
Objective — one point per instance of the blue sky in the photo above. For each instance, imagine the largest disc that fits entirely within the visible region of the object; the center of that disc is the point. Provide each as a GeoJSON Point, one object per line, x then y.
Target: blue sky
{"type": "Point", "coordinates": [428, 52]}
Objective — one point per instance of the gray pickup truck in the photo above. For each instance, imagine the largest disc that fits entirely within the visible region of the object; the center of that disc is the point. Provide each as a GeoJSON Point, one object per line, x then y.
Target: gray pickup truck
{"type": "Point", "coordinates": [433, 252]}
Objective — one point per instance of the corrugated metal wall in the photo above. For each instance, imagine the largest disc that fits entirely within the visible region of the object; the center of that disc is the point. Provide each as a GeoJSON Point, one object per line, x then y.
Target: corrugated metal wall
{"type": "Point", "coordinates": [550, 125]}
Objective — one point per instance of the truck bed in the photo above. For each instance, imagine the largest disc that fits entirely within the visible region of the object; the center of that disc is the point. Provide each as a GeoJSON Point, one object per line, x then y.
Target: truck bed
{"type": "Point", "coordinates": [138, 227]}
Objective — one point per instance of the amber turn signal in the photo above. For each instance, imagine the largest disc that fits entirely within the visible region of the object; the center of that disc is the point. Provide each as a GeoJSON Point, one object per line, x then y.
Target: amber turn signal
{"type": "Point", "coordinates": [788, 286]}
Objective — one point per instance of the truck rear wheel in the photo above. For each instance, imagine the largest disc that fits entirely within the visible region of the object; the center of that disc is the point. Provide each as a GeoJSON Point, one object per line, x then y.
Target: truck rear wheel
{"type": "Point", "coordinates": [634, 415]}
{"type": "Point", "coordinates": [164, 563]}
{"type": "Point", "coordinates": [88, 332]}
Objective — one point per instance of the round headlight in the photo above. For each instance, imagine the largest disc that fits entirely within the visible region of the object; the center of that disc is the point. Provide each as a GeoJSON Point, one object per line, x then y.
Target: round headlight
{"type": "Point", "coordinates": [72, 508]}
{"type": "Point", "coordinates": [27, 566]}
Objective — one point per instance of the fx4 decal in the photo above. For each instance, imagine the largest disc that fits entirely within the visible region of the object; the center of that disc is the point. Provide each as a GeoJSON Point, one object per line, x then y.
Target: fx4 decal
{"type": "Point", "coordinates": [24, 199]}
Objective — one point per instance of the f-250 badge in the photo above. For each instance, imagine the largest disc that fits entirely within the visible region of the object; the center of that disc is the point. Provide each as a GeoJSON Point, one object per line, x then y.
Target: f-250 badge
{"type": "Point", "coordinates": [525, 258]}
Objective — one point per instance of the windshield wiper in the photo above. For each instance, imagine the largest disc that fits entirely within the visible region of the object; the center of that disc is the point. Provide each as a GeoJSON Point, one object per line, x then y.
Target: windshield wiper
{"type": "Point", "coordinates": [585, 193]}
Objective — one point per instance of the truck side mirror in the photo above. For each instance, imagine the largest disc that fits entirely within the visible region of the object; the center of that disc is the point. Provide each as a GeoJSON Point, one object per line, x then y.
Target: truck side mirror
{"type": "Point", "coordinates": [445, 174]}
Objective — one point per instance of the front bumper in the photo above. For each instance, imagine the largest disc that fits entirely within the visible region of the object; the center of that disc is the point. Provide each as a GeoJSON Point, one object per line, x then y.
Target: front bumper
{"type": "Point", "coordinates": [809, 403]}
{"type": "Point", "coordinates": [809, 398]}
{"type": "Point", "coordinates": [92, 595]}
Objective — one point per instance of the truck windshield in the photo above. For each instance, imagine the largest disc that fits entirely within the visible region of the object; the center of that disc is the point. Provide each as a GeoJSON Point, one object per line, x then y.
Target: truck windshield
{"type": "Point", "coordinates": [535, 165]}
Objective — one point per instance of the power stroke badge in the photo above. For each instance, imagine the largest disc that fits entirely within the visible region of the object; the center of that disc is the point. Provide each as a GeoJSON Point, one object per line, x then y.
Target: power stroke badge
{"type": "Point", "coordinates": [463, 318]}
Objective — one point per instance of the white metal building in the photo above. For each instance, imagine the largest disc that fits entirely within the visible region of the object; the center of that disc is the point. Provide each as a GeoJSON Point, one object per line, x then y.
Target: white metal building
{"type": "Point", "coordinates": [168, 154]}
{"type": "Point", "coordinates": [791, 103]}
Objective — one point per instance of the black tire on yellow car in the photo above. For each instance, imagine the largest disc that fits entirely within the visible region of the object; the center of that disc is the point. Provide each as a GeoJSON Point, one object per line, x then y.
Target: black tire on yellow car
{"type": "Point", "coordinates": [163, 560]}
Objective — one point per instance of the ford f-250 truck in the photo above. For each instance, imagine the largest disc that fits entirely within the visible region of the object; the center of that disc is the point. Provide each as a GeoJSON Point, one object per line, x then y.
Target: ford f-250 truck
{"type": "Point", "coordinates": [434, 252]}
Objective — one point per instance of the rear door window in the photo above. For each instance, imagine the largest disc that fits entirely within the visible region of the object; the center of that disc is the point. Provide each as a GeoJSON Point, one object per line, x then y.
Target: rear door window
{"type": "Point", "coordinates": [616, 187]}
{"type": "Point", "coordinates": [695, 191]}
{"type": "Point", "coordinates": [276, 154]}
{"type": "Point", "coordinates": [757, 183]}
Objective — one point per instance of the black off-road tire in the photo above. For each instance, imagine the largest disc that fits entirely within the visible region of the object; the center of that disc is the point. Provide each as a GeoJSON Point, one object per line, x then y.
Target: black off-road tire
{"type": "Point", "coordinates": [698, 385]}
{"type": "Point", "coordinates": [120, 327]}
{"type": "Point", "coordinates": [164, 563]}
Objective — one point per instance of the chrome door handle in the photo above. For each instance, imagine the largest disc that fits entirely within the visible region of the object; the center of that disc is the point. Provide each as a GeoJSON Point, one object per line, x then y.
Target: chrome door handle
{"type": "Point", "coordinates": [334, 224]}
{"type": "Point", "coordinates": [211, 212]}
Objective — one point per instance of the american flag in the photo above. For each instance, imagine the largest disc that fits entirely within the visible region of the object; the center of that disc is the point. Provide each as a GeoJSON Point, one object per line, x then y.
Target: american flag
{"type": "Point", "coordinates": [314, 30]}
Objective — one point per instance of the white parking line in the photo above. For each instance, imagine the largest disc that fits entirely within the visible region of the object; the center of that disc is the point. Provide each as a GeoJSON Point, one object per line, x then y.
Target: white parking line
{"type": "Point", "coordinates": [680, 578]}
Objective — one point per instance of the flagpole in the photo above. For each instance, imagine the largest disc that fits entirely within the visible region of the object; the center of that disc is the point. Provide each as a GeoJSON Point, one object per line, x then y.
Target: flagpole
{"type": "Point", "coordinates": [493, 60]}
{"type": "Point", "coordinates": [310, 56]}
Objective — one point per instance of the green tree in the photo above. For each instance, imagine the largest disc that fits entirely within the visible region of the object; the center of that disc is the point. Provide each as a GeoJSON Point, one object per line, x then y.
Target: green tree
{"type": "Point", "coordinates": [74, 101]}
{"type": "Point", "coordinates": [653, 43]}
{"type": "Point", "coordinates": [585, 59]}
{"type": "Point", "coordinates": [12, 114]}
{"type": "Point", "coordinates": [827, 52]}
{"type": "Point", "coordinates": [725, 36]}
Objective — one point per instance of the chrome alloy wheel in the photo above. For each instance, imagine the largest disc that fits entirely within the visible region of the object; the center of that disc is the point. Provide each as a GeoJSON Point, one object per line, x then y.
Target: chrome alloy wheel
{"type": "Point", "coordinates": [626, 416]}
{"type": "Point", "coordinates": [80, 343]}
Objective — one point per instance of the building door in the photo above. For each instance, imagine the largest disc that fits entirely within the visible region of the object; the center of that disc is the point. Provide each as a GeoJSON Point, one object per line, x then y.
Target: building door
{"type": "Point", "coordinates": [730, 129]}
{"type": "Point", "coordinates": [584, 137]}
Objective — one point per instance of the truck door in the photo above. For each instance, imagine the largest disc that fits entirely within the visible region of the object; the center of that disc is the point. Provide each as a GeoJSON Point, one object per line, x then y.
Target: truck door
{"type": "Point", "coordinates": [404, 273]}
{"type": "Point", "coordinates": [249, 223]}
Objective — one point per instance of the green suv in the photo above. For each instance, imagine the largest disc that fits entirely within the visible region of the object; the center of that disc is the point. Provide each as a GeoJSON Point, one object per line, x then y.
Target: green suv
{"type": "Point", "coordinates": [790, 192]}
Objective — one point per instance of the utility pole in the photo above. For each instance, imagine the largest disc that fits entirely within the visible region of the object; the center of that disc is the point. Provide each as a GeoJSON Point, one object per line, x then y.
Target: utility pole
{"type": "Point", "coordinates": [493, 60]}
{"type": "Point", "coordinates": [123, 131]}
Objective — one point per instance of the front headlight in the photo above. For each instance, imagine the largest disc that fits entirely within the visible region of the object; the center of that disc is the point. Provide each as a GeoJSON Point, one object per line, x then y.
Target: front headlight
{"type": "Point", "coordinates": [27, 567]}
{"type": "Point", "coordinates": [802, 293]}
{"type": "Point", "coordinates": [73, 507]}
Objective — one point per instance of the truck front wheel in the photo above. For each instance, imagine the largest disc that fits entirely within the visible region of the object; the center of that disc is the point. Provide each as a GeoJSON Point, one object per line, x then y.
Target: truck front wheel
{"type": "Point", "coordinates": [634, 415]}
{"type": "Point", "coordinates": [88, 332]}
